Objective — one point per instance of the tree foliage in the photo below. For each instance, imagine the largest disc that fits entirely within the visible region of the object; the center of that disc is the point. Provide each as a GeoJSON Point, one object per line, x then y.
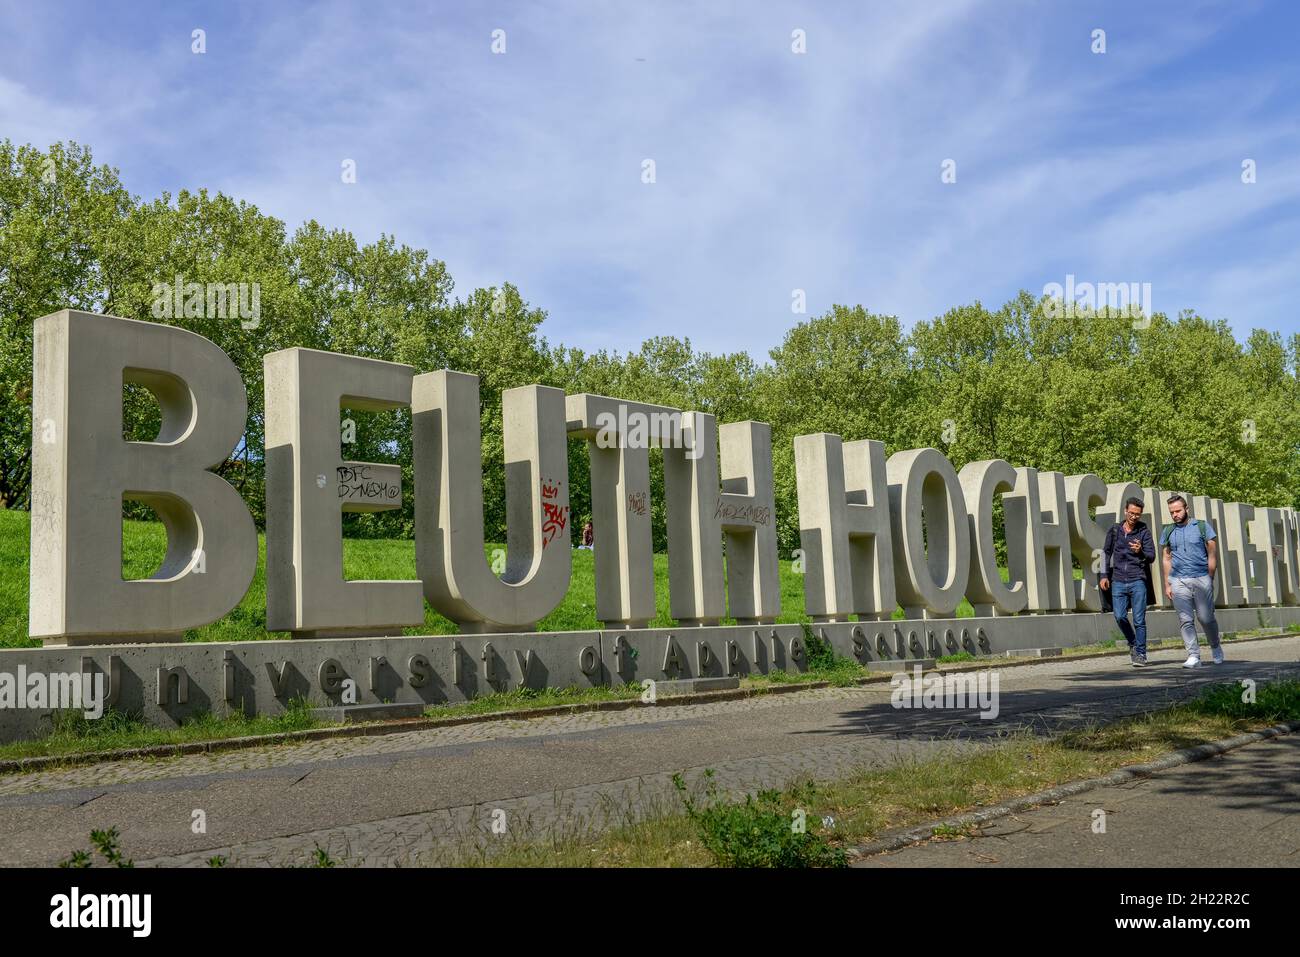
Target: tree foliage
{"type": "Point", "coordinates": [1172, 402]}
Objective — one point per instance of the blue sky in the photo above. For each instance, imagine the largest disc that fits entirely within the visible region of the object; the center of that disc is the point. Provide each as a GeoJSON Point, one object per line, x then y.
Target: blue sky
{"type": "Point", "coordinates": [774, 171]}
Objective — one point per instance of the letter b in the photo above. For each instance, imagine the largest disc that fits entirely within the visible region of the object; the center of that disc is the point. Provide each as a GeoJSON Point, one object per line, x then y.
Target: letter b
{"type": "Point", "coordinates": [78, 483]}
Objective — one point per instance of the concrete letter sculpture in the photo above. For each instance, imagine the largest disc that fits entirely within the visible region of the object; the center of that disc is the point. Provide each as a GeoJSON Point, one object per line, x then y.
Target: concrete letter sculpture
{"type": "Point", "coordinates": [1228, 592]}
{"type": "Point", "coordinates": [987, 592]}
{"type": "Point", "coordinates": [1250, 551]}
{"type": "Point", "coordinates": [931, 566]}
{"type": "Point", "coordinates": [309, 486]}
{"type": "Point", "coordinates": [1056, 541]}
{"type": "Point", "coordinates": [874, 531]}
{"type": "Point", "coordinates": [1087, 537]}
{"type": "Point", "coordinates": [1268, 529]}
{"type": "Point", "coordinates": [844, 528]}
{"type": "Point", "coordinates": [1038, 539]}
{"type": "Point", "coordinates": [619, 452]}
{"type": "Point", "coordinates": [82, 469]}
{"type": "Point", "coordinates": [705, 506]}
{"type": "Point", "coordinates": [449, 549]}
{"type": "Point", "coordinates": [1288, 573]}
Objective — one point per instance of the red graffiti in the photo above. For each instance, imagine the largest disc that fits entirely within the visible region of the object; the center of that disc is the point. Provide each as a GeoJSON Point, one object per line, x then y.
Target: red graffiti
{"type": "Point", "coordinates": [555, 516]}
{"type": "Point", "coordinates": [556, 519]}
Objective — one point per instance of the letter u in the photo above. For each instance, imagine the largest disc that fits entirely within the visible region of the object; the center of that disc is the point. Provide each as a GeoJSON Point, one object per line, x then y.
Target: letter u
{"type": "Point", "coordinates": [450, 559]}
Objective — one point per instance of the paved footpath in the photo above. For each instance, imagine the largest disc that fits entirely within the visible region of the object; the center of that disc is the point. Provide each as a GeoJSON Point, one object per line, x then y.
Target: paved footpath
{"type": "Point", "coordinates": [1241, 809]}
{"type": "Point", "coordinates": [405, 799]}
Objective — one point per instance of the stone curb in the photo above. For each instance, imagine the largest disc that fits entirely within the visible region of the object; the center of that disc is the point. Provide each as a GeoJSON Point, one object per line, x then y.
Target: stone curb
{"type": "Point", "coordinates": [1053, 795]}
{"type": "Point", "coordinates": [43, 762]}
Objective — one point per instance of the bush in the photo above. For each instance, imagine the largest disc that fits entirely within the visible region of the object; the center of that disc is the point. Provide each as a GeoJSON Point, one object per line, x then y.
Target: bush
{"type": "Point", "coordinates": [825, 664]}
{"type": "Point", "coordinates": [767, 830]}
{"type": "Point", "coordinates": [817, 653]}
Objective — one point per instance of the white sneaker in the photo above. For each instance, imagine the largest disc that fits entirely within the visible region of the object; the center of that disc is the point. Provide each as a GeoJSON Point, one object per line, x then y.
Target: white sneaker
{"type": "Point", "coordinates": [1218, 656]}
{"type": "Point", "coordinates": [1192, 662]}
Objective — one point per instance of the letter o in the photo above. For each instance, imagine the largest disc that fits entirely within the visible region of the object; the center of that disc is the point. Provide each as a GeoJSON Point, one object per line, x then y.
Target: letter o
{"type": "Point", "coordinates": [931, 564]}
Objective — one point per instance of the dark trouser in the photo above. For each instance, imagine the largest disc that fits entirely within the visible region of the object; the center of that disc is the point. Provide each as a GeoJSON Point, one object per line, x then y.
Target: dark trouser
{"type": "Point", "coordinates": [1124, 595]}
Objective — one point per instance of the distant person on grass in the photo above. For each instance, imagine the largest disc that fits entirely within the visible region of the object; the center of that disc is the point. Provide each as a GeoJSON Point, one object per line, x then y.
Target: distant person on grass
{"type": "Point", "coordinates": [1126, 577]}
{"type": "Point", "coordinates": [1191, 557]}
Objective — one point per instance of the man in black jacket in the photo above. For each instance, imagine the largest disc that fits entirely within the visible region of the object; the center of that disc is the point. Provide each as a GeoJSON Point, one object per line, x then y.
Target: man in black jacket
{"type": "Point", "coordinates": [1126, 575]}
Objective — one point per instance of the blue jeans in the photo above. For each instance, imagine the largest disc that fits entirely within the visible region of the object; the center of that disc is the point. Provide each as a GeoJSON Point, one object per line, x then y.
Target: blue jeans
{"type": "Point", "coordinates": [1124, 595]}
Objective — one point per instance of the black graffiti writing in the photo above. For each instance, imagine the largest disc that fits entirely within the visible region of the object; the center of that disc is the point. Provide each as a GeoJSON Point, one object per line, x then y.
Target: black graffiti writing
{"type": "Point", "coordinates": [753, 514]}
{"type": "Point", "coordinates": [355, 483]}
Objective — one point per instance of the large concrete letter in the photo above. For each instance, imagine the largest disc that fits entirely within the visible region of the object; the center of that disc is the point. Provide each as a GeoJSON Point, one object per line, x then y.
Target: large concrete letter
{"type": "Point", "coordinates": [1056, 540]}
{"type": "Point", "coordinates": [82, 469]}
{"type": "Point", "coordinates": [1038, 539]}
{"type": "Point", "coordinates": [1289, 573]}
{"type": "Point", "coordinates": [1269, 532]}
{"type": "Point", "coordinates": [704, 506]}
{"type": "Point", "coordinates": [619, 436]}
{"type": "Point", "coordinates": [449, 546]}
{"type": "Point", "coordinates": [1249, 552]}
{"type": "Point", "coordinates": [309, 487]}
{"type": "Point", "coordinates": [980, 482]}
{"type": "Point", "coordinates": [623, 546]}
{"type": "Point", "coordinates": [1023, 521]}
{"type": "Point", "coordinates": [844, 528]}
{"type": "Point", "coordinates": [1228, 591]}
{"type": "Point", "coordinates": [1087, 537]}
{"type": "Point", "coordinates": [931, 563]}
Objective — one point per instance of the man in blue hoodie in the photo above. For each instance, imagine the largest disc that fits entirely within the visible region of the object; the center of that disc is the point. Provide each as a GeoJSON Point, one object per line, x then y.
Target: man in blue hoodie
{"type": "Point", "coordinates": [1126, 575]}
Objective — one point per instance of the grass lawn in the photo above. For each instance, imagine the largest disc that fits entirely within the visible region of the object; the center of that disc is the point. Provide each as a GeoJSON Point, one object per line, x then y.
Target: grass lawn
{"type": "Point", "coordinates": [143, 545]}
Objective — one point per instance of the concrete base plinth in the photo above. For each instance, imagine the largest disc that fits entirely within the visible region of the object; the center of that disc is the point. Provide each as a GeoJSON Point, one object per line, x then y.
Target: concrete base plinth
{"type": "Point", "coordinates": [168, 682]}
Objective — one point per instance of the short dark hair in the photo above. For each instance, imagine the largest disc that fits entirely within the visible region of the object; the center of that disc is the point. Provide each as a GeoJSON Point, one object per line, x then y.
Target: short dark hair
{"type": "Point", "coordinates": [1134, 500]}
{"type": "Point", "coordinates": [1176, 498]}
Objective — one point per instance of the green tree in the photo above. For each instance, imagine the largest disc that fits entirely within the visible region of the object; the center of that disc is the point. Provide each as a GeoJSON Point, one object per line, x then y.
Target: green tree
{"type": "Point", "coordinates": [58, 249]}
